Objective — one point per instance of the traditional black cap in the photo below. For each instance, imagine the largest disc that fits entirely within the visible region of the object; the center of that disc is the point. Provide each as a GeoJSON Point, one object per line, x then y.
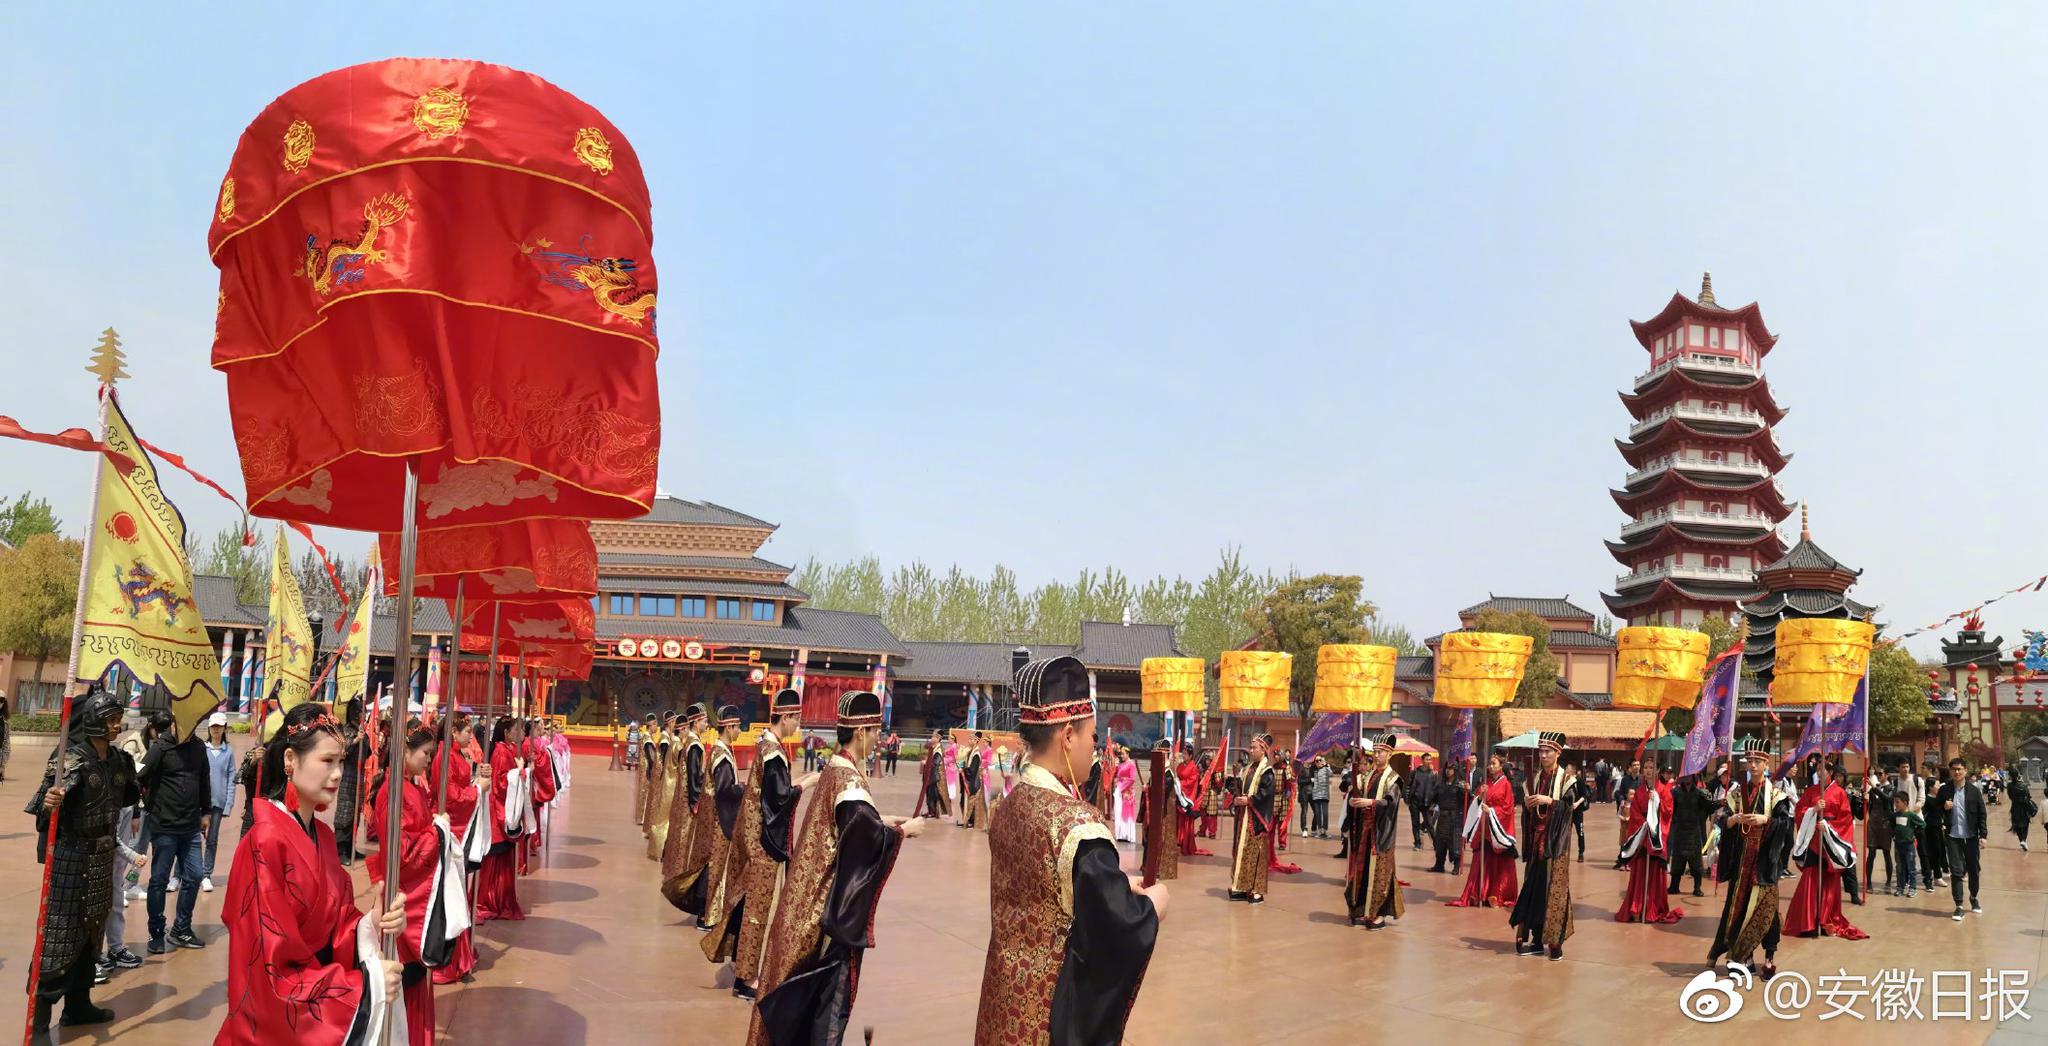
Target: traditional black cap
{"type": "Point", "coordinates": [786, 702]}
{"type": "Point", "coordinates": [1551, 739]}
{"type": "Point", "coordinates": [858, 708]}
{"type": "Point", "coordinates": [1053, 690]}
{"type": "Point", "coordinates": [1750, 745]}
{"type": "Point", "coordinates": [728, 715]}
{"type": "Point", "coordinates": [98, 707]}
{"type": "Point", "coordinates": [696, 713]}
{"type": "Point", "coordinates": [1382, 743]}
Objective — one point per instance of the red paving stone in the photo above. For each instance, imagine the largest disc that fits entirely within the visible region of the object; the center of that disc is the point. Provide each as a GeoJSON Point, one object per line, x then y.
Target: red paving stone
{"type": "Point", "coordinates": [603, 959]}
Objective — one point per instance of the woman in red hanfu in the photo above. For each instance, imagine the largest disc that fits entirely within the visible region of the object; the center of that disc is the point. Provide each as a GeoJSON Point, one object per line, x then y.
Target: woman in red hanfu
{"type": "Point", "coordinates": [1822, 846]}
{"type": "Point", "coordinates": [304, 964]}
{"type": "Point", "coordinates": [542, 759]}
{"type": "Point", "coordinates": [419, 863]}
{"type": "Point", "coordinates": [1646, 850]}
{"type": "Point", "coordinates": [497, 887]}
{"type": "Point", "coordinates": [463, 777]}
{"type": "Point", "coordinates": [1490, 829]}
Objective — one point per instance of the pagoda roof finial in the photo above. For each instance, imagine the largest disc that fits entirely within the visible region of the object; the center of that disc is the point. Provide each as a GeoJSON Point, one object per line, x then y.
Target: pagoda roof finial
{"type": "Point", "coordinates": [1707, 289]}
{"type": "Point", "coordinates": [1805, 531]}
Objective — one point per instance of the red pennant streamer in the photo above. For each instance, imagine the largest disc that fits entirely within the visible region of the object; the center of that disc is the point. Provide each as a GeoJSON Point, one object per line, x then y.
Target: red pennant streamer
{"type": "Point", "coordinates": [69, 439]}
{"type": "Point", "coordinates": [177, 461]}
{"type": "Point", "coordinates": [333, 575]}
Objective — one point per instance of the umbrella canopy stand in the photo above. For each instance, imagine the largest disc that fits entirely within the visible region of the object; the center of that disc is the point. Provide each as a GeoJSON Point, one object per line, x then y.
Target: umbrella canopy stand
{"type": "Point", "coordinates": [408, 545]}
{"type": "Point", "coordinates": [450, 700]}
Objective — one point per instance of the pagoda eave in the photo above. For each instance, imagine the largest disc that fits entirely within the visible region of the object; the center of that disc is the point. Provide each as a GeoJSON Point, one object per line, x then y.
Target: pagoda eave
{"type": "Point", "coordinates": [1672, 385]}
{"type": "Point", "coordinates": [1674, 481]}
{"type": "Point", "coordinates": [1750, 316]}
{"type": "Point", "coordinates": [1764, 545]}
{"type": "Point", "coordinates": [1757, 441]}
{"type": "Point", "coordinates": [1669, 591]}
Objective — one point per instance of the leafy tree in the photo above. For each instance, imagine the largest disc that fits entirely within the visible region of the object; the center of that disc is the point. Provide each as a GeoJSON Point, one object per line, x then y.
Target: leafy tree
{"type": "Point", "coordinates": [24, 518]}
{"type": "Point", "coordinates": [39, 596]}
{"type": "Point", "coordinates": [1305, 613]}
{"type": "Point", "coordinates": [2020, 726]}
{"type": "Point", "coordinates": [248, 566]}
{"type": "Point", "coordinates": [1386, 633]}
{"type": "Point", "coordinates": [1898, 692]}
{"type": "Point", "coordinates": [1604, 626]}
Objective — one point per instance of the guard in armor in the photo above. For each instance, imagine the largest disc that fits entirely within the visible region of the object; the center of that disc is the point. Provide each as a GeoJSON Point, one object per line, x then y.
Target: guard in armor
{"type": "Point", "coordinates": [97, 781]}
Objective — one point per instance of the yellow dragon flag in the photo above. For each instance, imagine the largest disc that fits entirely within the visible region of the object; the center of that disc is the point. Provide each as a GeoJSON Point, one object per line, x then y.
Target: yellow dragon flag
{"type": "Point", "coordinates": [353, 670]}
{"type": "Point", "coordinates": [288, 642]}
{"type": "Point", "coordinates": [139, 610]}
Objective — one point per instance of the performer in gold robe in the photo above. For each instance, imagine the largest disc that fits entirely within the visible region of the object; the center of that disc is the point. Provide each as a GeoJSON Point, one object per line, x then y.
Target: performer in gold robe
{"type": "Point", "coordinates": [1756, 840]}
{"type": "Point", "coordinates": [662, 790]}
{"type": "Point", "coordinates": [678, 866]}
{"type": "Point", "coordinates": [1254, 827]}
{"type": "Point", "coordinates": [1542, 916]}
{"type": "Point", "coordinates": [1371, 892]}
{"type": "Point", "coordinates": [766, 827]}
{"type": "Point", "coordinates": [836, 873]}
{"type": "Point", "coordinates": [1070, 933]}
{"type": "Point", "coordinates": [717, 814]}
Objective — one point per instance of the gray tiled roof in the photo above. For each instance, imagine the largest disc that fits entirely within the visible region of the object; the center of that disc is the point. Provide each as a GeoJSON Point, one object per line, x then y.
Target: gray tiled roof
{"type": "Point", "coordinates": [1542, 607]}
{"type": "Point", "coordinates": [215, 595]}
{"type": "Point", "coordinates": [1808, 556]}
{"type": "Point", "coordinates": [807, 627]}
{"type": "Point", "coordinates": [431, 619]}
{"type": "Point", "coordinates": [958, 662]}
{"type": "Point", "coordinates": [1808, 603]}
{"type": "Point", "coordinates": [685, 586]}
{"type": "Point", "coordinates": [1423, 667]}
{"type": "Point", "coordinates": [699, 513]}
{"type": "Point", "coordinates": [649, 559]}
{"type": "Point", "coordinates": [1560, 638]}
{"type": "Point", "coordinates": [1106, 644]}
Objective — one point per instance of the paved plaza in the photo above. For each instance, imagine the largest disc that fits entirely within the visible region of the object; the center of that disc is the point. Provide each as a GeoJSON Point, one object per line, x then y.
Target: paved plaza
{"type": "Point", "coordinates": [602, 959]}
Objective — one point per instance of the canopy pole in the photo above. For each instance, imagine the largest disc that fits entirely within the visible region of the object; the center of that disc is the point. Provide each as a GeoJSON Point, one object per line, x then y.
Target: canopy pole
{"type": "Point", "coordinates": [497, 608]}
{"type": "Point", "coordinates": [450, 701]}
{"type": "Point", "coordinates": [394, 739]}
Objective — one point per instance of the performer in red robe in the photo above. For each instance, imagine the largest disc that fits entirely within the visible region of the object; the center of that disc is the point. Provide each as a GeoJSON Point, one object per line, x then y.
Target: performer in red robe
{"type": "Point", "coordinates": [542, 759]}
{"type": "Point", "coordinates": [419, 862]}
{"type": "Point", "coordinates": [1490, 825]}
{"type": "Point", "coordinates": [1823, 846]}
{"type": "Point", "coordinates": [463, 793]}
{"type": "Point", "coordinates": [497, 887]}
{"type": "Point", "coordinates": [1645, 848]}
{"type": "Point", "coordinates": [1189, 827]}
{"type": "Point", "coordinates": [304, 964]}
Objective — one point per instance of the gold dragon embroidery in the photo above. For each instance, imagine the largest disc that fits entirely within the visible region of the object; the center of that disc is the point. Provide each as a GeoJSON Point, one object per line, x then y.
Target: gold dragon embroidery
{"type": "Point", "coordinates": [343, 262]}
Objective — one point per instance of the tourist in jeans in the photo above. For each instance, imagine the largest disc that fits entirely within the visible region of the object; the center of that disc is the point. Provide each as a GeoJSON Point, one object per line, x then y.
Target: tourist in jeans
{"type": "Point", "coordinates": [177, 794]}
{"type": "Point", "coordinates": [1906, 825]}
{"type": "Point", "coordinates": [1961, 804]}
{"type": "Point", "coordinates": [1319, 799]}
{"type": "Point", "coordinates": [220, 772]}
{"type": "Point", "coordinates": [126, 861]}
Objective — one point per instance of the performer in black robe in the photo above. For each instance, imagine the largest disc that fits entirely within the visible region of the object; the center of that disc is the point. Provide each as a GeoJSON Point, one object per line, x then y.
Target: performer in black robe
{"type": "Point", "coordinates": [1250, 865]}
{"type": "Point", "coordinates": [1690, 808]}
{"type": "Point", "coordinates": [1372, 892]}
{"type": "Point", "coordinates": [1447, 827]}
{"type": "Point", "coordinates": [1421, 789]}
{"type": "Point", "coordinates": [1543, 910]}
{"type": "Point", "coordinates": [934, 771]}
{"type": "Point", "coordinates": [97, 780]}
{"type": "Point", "coordinates": [1757, 833]}
{"type": "Point", "coordinates": [1070, 933]}
{"type": "Point", "coordinates": [774, 825]}
{"type": "Point", "coordinates": [836, 873]}
{"type": "Point", "coordinates": [970, 789]}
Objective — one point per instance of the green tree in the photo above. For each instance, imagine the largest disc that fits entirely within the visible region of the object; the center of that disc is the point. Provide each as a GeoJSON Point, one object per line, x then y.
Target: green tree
{"type": "Point", "coordinates": [25, 517]}
{"type": "Point", "coordinates": [248, 566]}
{"type": "Point", "coordinates": [39, 597]}
{"type": "Point", "coordinates": [1604, 626]}
{"type": "Point", "coordinates": [2020, 726]}
{"type": "Point", "coordinates": [1386, 633]}
{"type": "Point", "coordinates": [1898, 692]}
{"type": "Point", "coordinates": [1305, 613]}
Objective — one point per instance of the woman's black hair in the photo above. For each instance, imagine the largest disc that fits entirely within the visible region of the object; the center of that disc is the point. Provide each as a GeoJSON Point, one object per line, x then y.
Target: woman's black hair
{"type": "Point", "coordinates": [503, 730]}
{"type": "Point", "coordinates": [416, 737]}
{"type": "Point", "coordinates": [301, 740]}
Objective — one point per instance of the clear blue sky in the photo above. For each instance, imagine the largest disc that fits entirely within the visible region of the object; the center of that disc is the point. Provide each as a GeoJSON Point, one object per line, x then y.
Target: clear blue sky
{"type": "Point", "coordinates": [1065, 285]}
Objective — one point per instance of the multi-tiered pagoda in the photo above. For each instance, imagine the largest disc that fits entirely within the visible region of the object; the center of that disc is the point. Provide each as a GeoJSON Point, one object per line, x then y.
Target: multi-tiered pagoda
{"type": "Point", "coordinates": [1702, 496]}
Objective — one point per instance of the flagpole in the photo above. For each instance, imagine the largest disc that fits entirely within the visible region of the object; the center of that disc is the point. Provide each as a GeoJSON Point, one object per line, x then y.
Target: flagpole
{"type": "Point", "coordinates": [35, 961]}
{"type": "Point", "coordinates": [408, 544]}
{"type": "Point", "coordinates": [450, 698]}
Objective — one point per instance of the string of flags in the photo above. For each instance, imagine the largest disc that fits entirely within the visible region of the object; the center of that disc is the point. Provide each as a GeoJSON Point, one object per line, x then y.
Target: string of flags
{"type": "Point", "coordinates": [2031, 586]}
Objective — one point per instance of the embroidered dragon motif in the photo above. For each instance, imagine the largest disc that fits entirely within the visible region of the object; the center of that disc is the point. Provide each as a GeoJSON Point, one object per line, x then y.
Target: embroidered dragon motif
{"type": "Point", "coordinates": [343, 262]}
{"type": "Point", "coordinates": [613, 283]}
{"type": "Point", "coordinates": [140, 586]}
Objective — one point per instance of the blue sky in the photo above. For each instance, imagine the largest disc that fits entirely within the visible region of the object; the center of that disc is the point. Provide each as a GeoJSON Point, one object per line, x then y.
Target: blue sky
{"type": "Point", "coordinates": [1066, 285]}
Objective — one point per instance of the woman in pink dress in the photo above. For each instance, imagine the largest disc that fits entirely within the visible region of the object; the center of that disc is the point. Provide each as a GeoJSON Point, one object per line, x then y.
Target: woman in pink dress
{"type": "Point", "coordinates": [1126, 796]}
{"type": "Point", "coordinates": [953, 780]}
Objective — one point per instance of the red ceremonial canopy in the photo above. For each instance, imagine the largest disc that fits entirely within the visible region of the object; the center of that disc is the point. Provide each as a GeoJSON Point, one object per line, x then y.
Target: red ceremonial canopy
{"type": "Point", "coordinates": [446, 262]}
{"type": "Point", "coordinates": [562, 622]}
{"type": "Point", "coordinates": [529, 561]}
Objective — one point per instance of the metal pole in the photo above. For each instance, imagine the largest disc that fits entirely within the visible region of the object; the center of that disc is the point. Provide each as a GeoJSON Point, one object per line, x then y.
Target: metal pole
{"type": "Point", "coordinates": [408, 544]}
{"type": "Point", "coordinates": [450, 700]}
{"type": "Point", "coordinates": [35, 960]}
{"type": "Point", "coordinates": [491, 707]}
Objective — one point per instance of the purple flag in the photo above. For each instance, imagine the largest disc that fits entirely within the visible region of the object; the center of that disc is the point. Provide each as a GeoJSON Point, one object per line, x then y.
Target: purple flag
{"type": "Point", "coordinates": [1832, 728]}
{"type": "Point", "coordinates": [1713, 721]}
{"type": "Point", "coordinates": [1328, 731]}
{"type": "Point", "coordinates": [1461, 742]}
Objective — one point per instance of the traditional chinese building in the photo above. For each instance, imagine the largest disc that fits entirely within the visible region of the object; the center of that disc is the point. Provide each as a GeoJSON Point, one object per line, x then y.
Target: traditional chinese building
{"type": "Point", "coordinates": [1702, 495]}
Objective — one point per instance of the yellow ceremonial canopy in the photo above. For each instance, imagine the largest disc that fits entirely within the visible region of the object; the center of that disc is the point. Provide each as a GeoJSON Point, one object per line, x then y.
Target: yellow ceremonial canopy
{"type": "Point", "coordinates": [1659, 667]}
{"type": "Point", "coordinates": [1254, 680]}
{"type": "Point", "coordinates": [1480, 669]}
{"type": "Point", "coordinates": [1352, 677]}
{"type": "Point", "coordinates": [1171, 684]}
{"type": "Point", "coordinates": [1820, 660]}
